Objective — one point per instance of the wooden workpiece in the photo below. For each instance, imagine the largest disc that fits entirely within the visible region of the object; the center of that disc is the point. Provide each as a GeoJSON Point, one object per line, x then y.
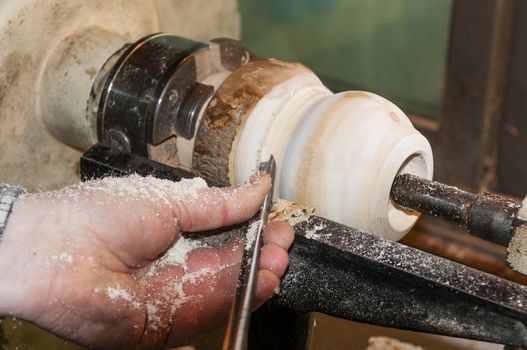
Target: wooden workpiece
{"type": "Point", "coordinates": [336, 152]}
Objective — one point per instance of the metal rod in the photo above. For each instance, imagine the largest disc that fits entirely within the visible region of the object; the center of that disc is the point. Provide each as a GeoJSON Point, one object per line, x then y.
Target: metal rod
{"type": "Point", "coordinates": [236, 334]}
{"type": "Point", "coordinates": [484, 215]}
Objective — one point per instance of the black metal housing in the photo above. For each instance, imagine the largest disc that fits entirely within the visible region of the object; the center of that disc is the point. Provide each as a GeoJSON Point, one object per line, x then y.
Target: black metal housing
{"type": "Point", "coordinates": [135, 89]}
{"type": "Point", "coordinates": [150, 90]}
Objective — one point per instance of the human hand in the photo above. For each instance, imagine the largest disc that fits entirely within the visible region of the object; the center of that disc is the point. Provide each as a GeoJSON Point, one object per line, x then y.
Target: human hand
{"type": "Point", "coordinates": [84, 262]}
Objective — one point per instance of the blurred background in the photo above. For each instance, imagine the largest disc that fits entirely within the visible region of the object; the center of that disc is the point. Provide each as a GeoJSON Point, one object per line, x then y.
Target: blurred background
{"type": "Point", "coordinates": [395, 48]}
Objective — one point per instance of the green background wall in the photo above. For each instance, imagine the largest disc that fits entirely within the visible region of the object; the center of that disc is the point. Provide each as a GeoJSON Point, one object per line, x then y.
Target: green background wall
{"type": "Point", "coordinates": [396, 48]}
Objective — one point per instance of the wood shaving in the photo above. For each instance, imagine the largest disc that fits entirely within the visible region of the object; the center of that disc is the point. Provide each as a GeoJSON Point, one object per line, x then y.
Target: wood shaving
{"type": "Point", "coordinates": [290, 212]}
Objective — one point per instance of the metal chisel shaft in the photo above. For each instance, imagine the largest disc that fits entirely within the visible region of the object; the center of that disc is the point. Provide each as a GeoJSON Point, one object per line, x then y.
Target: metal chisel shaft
{"type": "Point", "coordinates": [238, 327]}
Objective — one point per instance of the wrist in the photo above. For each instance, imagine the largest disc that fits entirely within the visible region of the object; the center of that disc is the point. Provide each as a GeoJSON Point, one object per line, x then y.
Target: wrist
{"type": "Point", "coordinates": [8, 195]}
{"type": "Point", "coordinates": [16, 281]}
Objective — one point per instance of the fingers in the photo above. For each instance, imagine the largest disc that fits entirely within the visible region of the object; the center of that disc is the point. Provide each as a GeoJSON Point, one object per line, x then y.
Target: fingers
{"type": "Point", "coordinates": [208, 208]}
{"type": "Point", "coordinates": [215, 207]}
{"type": "Point", "coordinates": [211, 309]}
{"type": "Point", "coordinates": [278, 238]}
{"type": "Point", "coordinates": [266, 285]}
{"type": "Point", "coordinates": [138, 218]}
{"type": "Point", "coordinates": [279, 233]}
{"type": "Point", "coordinates": [274, 259]}
{"type": "Point", "coordinates": [214, 298]}
{"type": "Point", "coordinates": [207, 284]}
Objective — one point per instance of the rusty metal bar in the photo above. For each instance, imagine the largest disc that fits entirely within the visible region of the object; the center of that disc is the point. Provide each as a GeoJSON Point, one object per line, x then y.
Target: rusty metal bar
{"type": "Point", "coordinates": [484, 215]}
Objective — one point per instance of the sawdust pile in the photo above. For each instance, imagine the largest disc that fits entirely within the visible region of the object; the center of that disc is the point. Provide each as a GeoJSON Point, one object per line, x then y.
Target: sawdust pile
{"type": "Point", "coordinates": [134, 186]}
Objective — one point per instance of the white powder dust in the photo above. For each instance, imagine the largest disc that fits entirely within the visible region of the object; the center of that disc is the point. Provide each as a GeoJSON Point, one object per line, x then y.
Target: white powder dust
{"type": "Point", "coordinates": [197, 276]}
{"type": "Point", "coordinates": [146, 188]}
{"type": "Point", "coordinates": [313, 233]}
{"type": "Point", "coordinates": [177, 254]}
{"type": "Point", "coordinates": [167, 193]}
{"type": "Point", "coordinates": [252, 231]}
{"type": "Point", "coordinates": [517, 249]}
{"type": "Point", "coordinates": [182, 297]}
{"type": "Point", "coordinates": [154, 321]}
{"type": "Point", "coordinates": [174, 297]}
{"type": "Point", "coordinates": [65, 257]}
{"type": "Point", "coordinates": [119, 293]}
{"type": "Point", "coordinates": [522, 212]}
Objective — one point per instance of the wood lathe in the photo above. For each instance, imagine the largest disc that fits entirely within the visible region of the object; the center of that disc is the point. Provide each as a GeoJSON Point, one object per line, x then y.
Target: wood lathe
{"type": "Point", "coordinates": [176, 108]}
{"type": "Point", "coordinates": [172, 107]}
